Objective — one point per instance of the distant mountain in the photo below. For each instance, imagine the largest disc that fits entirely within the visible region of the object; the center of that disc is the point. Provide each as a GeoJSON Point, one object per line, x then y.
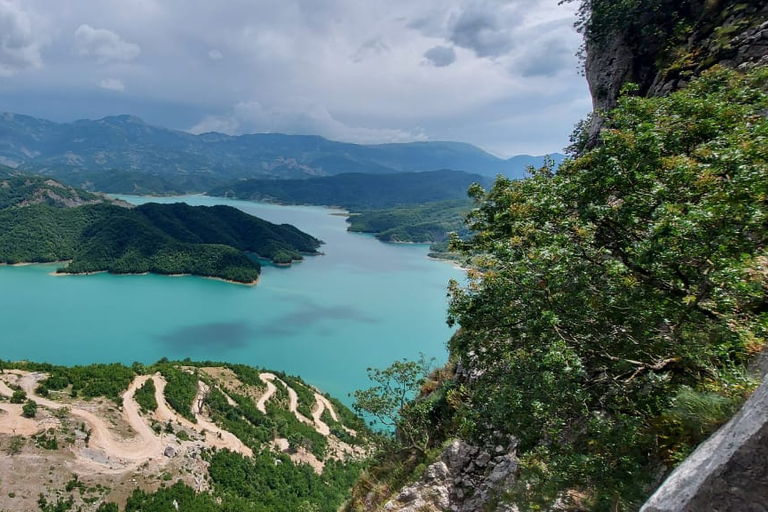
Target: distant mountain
{"type": "Point", "coordinates": [358, 191]}
{"type": "Point", "coordinates": [138, 157]}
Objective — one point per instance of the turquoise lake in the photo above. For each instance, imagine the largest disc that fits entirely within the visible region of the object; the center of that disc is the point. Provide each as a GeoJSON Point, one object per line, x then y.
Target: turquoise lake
{"type": "Point", "coordinates": [364, 303]}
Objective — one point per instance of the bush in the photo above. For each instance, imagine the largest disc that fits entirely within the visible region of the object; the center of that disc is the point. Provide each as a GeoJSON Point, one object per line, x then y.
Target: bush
{"type": "Point", "coordinates": [29, 410]}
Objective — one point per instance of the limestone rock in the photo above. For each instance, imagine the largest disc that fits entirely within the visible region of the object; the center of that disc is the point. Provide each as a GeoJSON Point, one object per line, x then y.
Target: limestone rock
{"type": "Point", "coordinates": [465, 479]}
{"type": "Point", "coordinates": [727, 472]}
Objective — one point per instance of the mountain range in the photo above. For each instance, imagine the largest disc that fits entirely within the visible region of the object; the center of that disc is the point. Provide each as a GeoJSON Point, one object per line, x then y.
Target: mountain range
{"type": "Point", "coordinates": [125, 153]}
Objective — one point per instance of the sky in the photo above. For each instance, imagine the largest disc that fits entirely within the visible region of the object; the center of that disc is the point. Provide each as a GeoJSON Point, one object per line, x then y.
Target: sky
{"type": "Point", "coordinates": [500, 74]}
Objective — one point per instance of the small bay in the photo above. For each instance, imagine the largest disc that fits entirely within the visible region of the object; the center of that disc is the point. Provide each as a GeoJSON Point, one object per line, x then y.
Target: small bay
{"type": "Point", "coordinates": [363, 303]}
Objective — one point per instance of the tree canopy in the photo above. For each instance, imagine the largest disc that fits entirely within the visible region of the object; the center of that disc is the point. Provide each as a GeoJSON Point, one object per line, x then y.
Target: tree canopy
{"type": "Point", "coordinates": [615, 303]}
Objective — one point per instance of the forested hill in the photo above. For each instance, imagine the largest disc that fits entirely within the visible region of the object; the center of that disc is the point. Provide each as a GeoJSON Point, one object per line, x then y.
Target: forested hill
{"type": "Point", "coordinates": [217, 241]}
{"type": "Point", "coordinates": [358, 191]}
{"type": "Point", "coordinates": [124, 154]}
{"type": "Point", "coordinates": [25, 190]}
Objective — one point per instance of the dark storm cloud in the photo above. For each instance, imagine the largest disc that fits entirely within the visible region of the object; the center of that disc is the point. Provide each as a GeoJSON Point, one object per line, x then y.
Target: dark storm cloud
{"type": "Point", "coordinates": [353, 70]}
{"type": "Point", "coordinates": [221, 336]}
{"type": "Point", "coordinates": [21, 39]}
{"type": "Point", "coordinates": [440, 56]}
{"type": "Point", "coordinates": [479, 29]}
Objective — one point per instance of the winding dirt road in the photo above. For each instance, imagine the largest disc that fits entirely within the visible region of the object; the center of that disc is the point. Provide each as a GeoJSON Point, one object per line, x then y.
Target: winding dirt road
{"type": "Point", "coordinates": [120, 454]}
{"type": "Point", "coordinates": [124, 452]}
{"type": "Point", "coordinates": [321, 404]}
{"type": "Point", "coordinates": [145, 446]}
{"type": "Point", "coordinates": [267, 379]}
{"type": "Point", "coordinates": [213, 434]}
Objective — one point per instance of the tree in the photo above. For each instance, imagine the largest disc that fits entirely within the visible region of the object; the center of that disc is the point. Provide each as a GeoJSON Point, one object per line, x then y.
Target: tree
{"type": "Point", "coordinates": [391, 402]}
{"type": "Point", "coordinates": [607, 294]}
{"type": "Point", "coordinates": [29, 410]}
{"type": "Point", "coordinates": [18, 397]}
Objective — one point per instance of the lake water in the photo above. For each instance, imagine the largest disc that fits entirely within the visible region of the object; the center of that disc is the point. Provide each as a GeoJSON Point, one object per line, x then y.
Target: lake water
{"type": "Point", "coordinates": [364, 303]}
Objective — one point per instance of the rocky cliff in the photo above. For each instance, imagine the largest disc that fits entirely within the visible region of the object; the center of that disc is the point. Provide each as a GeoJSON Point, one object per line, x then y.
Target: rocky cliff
{"type": "Point", "coordinates": [672, 43]}
{"type": "Point", "coordinates": [465, 479]}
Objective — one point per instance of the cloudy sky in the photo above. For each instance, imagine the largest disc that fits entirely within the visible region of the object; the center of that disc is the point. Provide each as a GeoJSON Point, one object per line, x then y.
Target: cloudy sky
{"type": "Point", "coordinates": [500, 74]}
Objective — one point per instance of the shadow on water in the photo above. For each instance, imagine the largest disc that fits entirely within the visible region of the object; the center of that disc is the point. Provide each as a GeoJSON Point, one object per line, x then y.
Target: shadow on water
{"type": "Point", "coordinates": [225, 336]}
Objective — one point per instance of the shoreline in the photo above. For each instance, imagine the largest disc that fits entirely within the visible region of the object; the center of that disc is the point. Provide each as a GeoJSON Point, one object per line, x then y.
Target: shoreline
{"type": "Point", "coordinates": [231, 281]}
{"type": "Point", "coordinates": [30, 263]}
{"type": "Point", "coordinates": [94, 272]}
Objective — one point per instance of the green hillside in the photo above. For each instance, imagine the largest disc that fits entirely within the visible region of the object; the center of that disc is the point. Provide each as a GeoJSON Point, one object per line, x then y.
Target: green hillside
{"type": "Point", "coordinates": [358, 191]}
{"type": "Point", "coordinates": [39, 223]}
{"type": "Point", "coordinates": [430, 222]}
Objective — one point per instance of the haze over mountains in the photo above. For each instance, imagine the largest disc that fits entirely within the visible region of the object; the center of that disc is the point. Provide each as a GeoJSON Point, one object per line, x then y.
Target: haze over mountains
{"type": "Point", "coordinates": [123, 153]}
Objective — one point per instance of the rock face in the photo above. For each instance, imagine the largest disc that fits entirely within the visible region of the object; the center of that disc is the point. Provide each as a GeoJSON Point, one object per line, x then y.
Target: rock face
{"type": "Point", "coordinates": [465, 479]}
{"type": "Point", "coordinates": [725, 33]}
{"type": "Point", "coordinates": [727, 472]}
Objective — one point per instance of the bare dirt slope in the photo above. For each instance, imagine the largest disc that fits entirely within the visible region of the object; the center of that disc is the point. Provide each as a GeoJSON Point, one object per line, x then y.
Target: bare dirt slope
{"type": "Point", "coordinates": [115, 448]}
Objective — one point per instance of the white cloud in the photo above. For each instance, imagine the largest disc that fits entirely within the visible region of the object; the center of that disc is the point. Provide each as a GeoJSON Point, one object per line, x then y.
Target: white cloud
{"type": "Point", "coordinates": [20, 43]}
{"type": "Point", "coordinates": [111, 84]}
{"type": "Point", "coordinates": [105, 45]}
{"type": "Point", "coordinates": [215, 55]}
{"type": "Point", "coordinates": [298, 118]}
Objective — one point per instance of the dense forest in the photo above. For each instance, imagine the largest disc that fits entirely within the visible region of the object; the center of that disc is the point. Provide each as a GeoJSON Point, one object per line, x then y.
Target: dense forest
{"type": "Point", "coordinates": [430, 222]}
{"type": "Point", "coordinates": [408, 207]}
{"type": "Point", "coordinates": [37, 224]}
{"type": "Point", "coordinates": [358, 192]}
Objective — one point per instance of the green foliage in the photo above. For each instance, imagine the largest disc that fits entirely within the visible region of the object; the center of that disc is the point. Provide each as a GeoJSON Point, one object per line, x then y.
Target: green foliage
{"type": "Point", "coordinates": [298, 433]}
{"type": "Point", "coordinates": [348, 418]}
{"type": "Point", "coordinates": [267, 482]}
{"type": "Point", "coordinates": [163, 239]}
{"type": "Point", "coordinates": [107, 380]}
{"type": "Point", "coordinates": [145, 397]}
{"type": "Point", "coordinates": [18, 396]}
{"type": "Point", "coordinates": [43, 233]}
{"type": "Point", "coordinates": [248, 375]}
{"type": "Point", "coordinates": [616, 301]}
{"type": "Point", "coordinates": [430, 222]}
{"type": "Point", "coordinates": [180, 390]}
{"type": "Point", "coordinates": [390, 403]}
{"type": "Point", "coordinates": [306, 397]}
{"type": "Point", "coordinates": [21, 189]}
{"type": "Point", "coordinates": [165, 498]}
{"type": "Point", "coordinates": [599, 19]}
{"type": "Point", "coordinates": [244, 421]}
{"type": "Point", "coordinates": [358, 191]}
{"type": "Point", "coordinates": [14, 445]}
{"type": "Point", "coordinates": [270, 482]}
{"type": "Point", "coordinates": [60, 505]}
{"type": "Point", "coordinates": [29, 409]}
{"type": "Point", "coordinates": [47, 441]}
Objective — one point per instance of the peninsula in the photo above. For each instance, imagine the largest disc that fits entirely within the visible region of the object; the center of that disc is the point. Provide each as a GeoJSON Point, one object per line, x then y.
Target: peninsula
{"type": "Point", "coordinates": [43, 220]}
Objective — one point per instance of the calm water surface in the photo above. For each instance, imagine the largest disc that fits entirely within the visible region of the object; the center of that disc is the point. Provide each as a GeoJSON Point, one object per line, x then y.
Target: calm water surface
{"type": "Point", "coordinates": [364, 303]}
